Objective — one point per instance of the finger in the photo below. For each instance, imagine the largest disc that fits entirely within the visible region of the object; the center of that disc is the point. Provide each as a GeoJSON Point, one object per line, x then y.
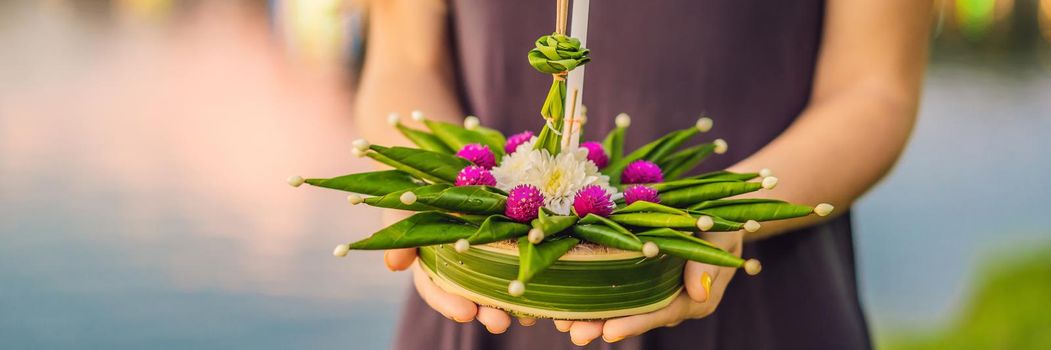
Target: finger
{"type": "Point", "coordinates": [630, 326]}
{"type": "Point", "coordinates": [563, 326]}
{"type": "Point", "coordinates": [583, 332]}
{"type": "Point", "coordinates": [699, 279]}
{"type": "Point", "coordinates": [495, 321]}
{"type": "Point", "coordinates": [399, 259]}
{"type": "Point", "coordinates": [451, 306]}
{"type": "Point", "coordinates": [526, 321]}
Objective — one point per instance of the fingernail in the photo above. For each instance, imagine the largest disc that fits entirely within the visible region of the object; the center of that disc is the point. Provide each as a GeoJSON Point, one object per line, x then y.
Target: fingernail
{"type": "Point", "coordinates": [461, 321]}
{"type": "Point", "coordinates": [613, 340]}
{"type": "Point", "coordinates": [491, 330]}
{"type": "Point", "coordinates": [706, 282]}
{"type": "Point", "coordinates": [386, 261]}
{"type": "Point", "coordinates": [585, 343]}
{"type": "Point", "coordinates": [527, 321]}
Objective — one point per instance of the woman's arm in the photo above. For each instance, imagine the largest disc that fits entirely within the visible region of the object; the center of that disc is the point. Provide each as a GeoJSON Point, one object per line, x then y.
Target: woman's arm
{"type": "Point", "coordinates": [861, 112]}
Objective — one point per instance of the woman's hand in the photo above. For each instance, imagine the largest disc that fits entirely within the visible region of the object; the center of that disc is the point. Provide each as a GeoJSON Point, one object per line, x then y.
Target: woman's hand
{"type": "Point", "coordinates": [705, 285]}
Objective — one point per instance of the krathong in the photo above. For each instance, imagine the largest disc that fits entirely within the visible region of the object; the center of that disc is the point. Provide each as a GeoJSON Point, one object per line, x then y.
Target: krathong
{"type": "Point", "coordinates": [538, 226]}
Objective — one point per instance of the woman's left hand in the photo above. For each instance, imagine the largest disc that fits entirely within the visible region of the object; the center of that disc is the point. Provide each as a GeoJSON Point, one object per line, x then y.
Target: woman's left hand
{"type": "Point", "coordinates": [704, 283]}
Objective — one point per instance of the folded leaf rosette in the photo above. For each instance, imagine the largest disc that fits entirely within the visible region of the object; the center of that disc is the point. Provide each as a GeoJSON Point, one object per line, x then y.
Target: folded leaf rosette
{"type": "Point", "coordinates": [532, 226]}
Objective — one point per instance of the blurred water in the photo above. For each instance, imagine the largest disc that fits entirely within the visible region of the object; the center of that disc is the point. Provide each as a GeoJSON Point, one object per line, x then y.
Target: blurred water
{"type": "Point", "coordinates": [142, 204]}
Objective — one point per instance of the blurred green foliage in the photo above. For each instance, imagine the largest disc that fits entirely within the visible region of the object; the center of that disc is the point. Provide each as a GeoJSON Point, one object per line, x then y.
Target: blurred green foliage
{"type": "Point", "coordinates": [1011, 309]}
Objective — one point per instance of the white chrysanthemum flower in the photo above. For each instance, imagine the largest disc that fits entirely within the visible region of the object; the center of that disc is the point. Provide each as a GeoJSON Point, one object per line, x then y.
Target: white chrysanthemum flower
{"type": "Point", "coordinates": [558, 178]}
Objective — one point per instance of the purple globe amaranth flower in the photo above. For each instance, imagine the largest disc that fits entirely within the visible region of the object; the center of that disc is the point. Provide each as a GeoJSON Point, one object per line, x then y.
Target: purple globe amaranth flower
{"type": "Point", "coordinates": [478, 154]}
{"type": "Point", "coordinates": [636, 193]}
{"type": "Point", "coordinates": [523, 203]}
{"type": "Point", "coordinates": [592, 199]}
{"type": "Point", "coordinates": [641, 172]}
{"type": "Point", "coordinates": [475, 175]}
{"type": "Point", "coordinates": [517, 140]}
{"type": "Point", "coordinates": [596, 154]}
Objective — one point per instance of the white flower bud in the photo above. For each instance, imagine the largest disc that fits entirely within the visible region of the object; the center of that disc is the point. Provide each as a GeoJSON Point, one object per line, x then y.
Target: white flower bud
{"type": "Point", "coordinates": [752, 267]}
{"type": "Point", "coordinates": [516, 288]}
{"type": "Point", "coordinates": [622, 120]}
{"type": "Point", "coordinates": [361, 145]}
{"type": "Point", "coordinates": [471, 122]}
{"type": "Point", "coordinates": [357, 152]}
{"type": "Point", "coordinates": [765, 172]}
{"type": "Point", "coordinates": [535, 235]}
{"type": "Point", "coordinates": [295, 181]}
{"type": "Point", "coordinates": [705, 222]}
{"type": "Point", "coordinates": [720, 146]}
{"type": "Point", "coordinates": [355, 199]}
{"type": "Point", "coordinates": [769, 182]}
{"type": "Point", "coordinates": [341, 250]}
{"type": "Point", "coordinates": [393, 118]}
{"type": "Point", "coordinates": [650, 249]}
{"type": "Point", "coordinates": [823, 209]}
{"type": "Point", "coordinates": [417, 115]}
{"type": "Point", "coordinates": [703, 124]}
{"type": "Point", "coordinates": [408, 198]}
{"type": "Point", "coordinates": [751, 226]}
{"type": "Point", "coordinates": [462, 245]}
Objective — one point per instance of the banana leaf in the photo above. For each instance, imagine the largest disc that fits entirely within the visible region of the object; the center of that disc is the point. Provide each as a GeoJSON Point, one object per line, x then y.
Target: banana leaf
{"type": "Point", "coordinates": [607, 236]}
{"type": "Point", "coordinates": [645, 207]}
{"type": "Point", "coordinates": [497, 228]}
{"type": "Point", "coordinates": [393, 200]}
{"type": "Point", "coordinates": [693, 251]}
{"type": "Point", "coordinates": [429, 165]}
{"type": "Point", "coordinates": [552, 224]}
{"type": "Point", "coordinates": [592, 219]}
{"type": "Point", "coordinates": [374, 183]}
{"type": "Point", "coordinates": [656, 219]}
{"type": "Point", "coordinates": [534, 258]}
{"type": "Point", "coordinates": [677, 184]}
{"type": "Point", "coordinates": [614, 144]}
{"type": "Point", "coordinates": [465, 199]}
{"type": "Point", "coordinates": [456, 136]}
{"type": "Point", "coordinates": [696, 194]}
{"type": "Point", "coordinates": [752, 209]}
{"type": "Point", "coordinates": [685, 160]}
{"type": "Point", "coordinates": [425, 140]}
{"type": "Point", "coordinates": [495, 137]}
{"type": "Point", "coordinates": [723, 174]}
{"type": "Point", "coordinates": [665, 232]}
{"type": "Point", "coordinates": [719, 224]}
{"type": "Point", "coordinates": [654, 151]}
{"type": "Point", "coordinates": [421, 229]}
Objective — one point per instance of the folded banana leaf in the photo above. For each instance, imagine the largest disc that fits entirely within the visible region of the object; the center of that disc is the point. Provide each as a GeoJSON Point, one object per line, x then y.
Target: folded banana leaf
{"type": "Point", "coordinates": [534, 258]}
{"type": "Point", "coordinates": [552, 224]}
{"type": "Point", "coordinates": [614, 144]}
{"type": "Point", "coordinates": [727, 175]}
{"type": "Point", "coordinates": [393, 200]}
{"type": "Point", "coordinates": [607, 236]}
{"type": "Point", "coordinates": [498, 228]}
{"type": "Point", "coordinates": [420, 229]}
{"type": "Point", "coordinates": [693, 251]}
{"type": "Point", "coordinates": [425, 140]}
{"type": "Point", "coordinates": [427, 165]}
{"type": "Point", "coordinates": [657, 220]}
{"type": "Point", "coordinates": [375, 183]}
{"type": "Point", "coordinates": [654, 151]}
{"type": "Point", "coordinates": [685, 160]}
{"type": "Point", "coordinates": [677, 184]}
{"type": "Point", "coordinates": [456, 136]}
{"type": "Point", "coordinates": [465, 199]}
{"type": "Point", "coordinates": [647, 207]}
{"type": "Point", "coordinates": [703, 192]}
{"type": "Point", "coordinates": [741, 210]}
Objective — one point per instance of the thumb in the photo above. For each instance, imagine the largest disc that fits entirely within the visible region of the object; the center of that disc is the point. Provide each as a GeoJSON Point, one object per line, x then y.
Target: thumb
{"type": "Point", "coordinates": [699, 278]}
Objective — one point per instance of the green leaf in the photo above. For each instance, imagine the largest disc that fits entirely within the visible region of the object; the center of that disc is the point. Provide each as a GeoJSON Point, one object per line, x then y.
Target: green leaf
{"type": "Point", "coordinates": [421, 229]}
{"type": "Point", "coordinates": [465, 199]}
{"type": "Point", "coordinates": [456, 136]}
{"type": "Point", "coordinates": [685, 160]}
{"type": "Point", "coordinates": [696, 194]}
{"type": "Point", "coordinates": [535, 258]}
{"type": "Point", "coordinates": [677, 184]}
{"type": "Point", "coordinates": [498, 228]}
{"type": "Point", "coordinates": [654, 151]}
{"type": "Point", "coordinates": [425, 140]}
{"type": "Point", "coordinates": [375, 183]}
{"type": "Point", "coordinates": [428, 165]}
{"type": "Point", "coordinates": [690, 250]}
{"type": "Point", "coordinates": [592, 219]}
{"type": "Point", "coordinates": [496, 138]}
{"type": "Point", "coordinates": [614, 144]}
{"type": "Point", "coordinates": [726, 175]}
{"type": "Point", "coordinates": [607, 236]}
{"type": "Point", "coordinates": [552, 224]}
{"type": "Point", "coordinates": [393, 200]}
{"type": "Point", "coordinates": [719, 224]}
{"type": "Point", "coordinates": [665, 232]}
{"type": "Point", "coordinates": [644, 206]}
{"type": "Point", "coordinates": [752, 209]}
{"type": "Point", "coordinates": [656, 219]}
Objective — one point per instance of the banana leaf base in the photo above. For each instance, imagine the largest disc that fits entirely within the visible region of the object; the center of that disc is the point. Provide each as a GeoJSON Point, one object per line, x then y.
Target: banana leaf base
{"type": "Point", "coordinates": [582, 285]}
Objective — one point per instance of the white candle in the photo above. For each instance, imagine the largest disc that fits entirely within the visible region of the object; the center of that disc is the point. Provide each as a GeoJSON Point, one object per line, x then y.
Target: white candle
{"type": "Point", "coordinates": [575, 81]}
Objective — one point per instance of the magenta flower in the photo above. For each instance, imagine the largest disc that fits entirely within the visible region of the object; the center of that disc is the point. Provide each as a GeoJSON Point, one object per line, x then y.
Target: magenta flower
{"type": "Point", "coordinates": [596, 154]}
{"type": "Point", "coordinates": [641, 193]}
{"type": "Point", "coordinates": [517, 140]}
{"type": "Point", "coordinates": [478, 154]}
{"type": "Point", "coordinates": [592, 199]}
{"type": "Point", "coordinates": [475, 175]}
{"type": "Point", "coordinates": [523, 203]}
{"type": "Point", "coordinates": [641, 172]}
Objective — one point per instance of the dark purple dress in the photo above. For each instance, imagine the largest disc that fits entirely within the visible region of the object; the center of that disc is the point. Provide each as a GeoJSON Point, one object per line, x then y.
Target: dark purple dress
{"type": "Point", "coordinates": [749, 65]}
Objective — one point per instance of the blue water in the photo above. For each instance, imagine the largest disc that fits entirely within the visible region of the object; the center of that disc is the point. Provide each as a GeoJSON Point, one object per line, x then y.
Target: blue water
{"type": "Point", "coordinates": [142, 202]}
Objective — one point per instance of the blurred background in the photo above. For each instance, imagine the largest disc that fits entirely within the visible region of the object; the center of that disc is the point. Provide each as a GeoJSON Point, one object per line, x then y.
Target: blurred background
{"type": "Point", "coordinates": [144, 146]}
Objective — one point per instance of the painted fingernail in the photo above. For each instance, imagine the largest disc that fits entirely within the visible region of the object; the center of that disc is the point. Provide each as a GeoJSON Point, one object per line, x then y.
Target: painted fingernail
{"type": "Point", "coordinates": [492, 331]}
{"type": "Point", "coordinates": [612, 340]}
{"type": "Point", "coordinates": [706, 282]}
{"type": "Point", "coordinates": [527, 321]}
{"type": "Point", "coordinates": [583, 343]}
{"type": "Point", "coordinates": [462, 321]}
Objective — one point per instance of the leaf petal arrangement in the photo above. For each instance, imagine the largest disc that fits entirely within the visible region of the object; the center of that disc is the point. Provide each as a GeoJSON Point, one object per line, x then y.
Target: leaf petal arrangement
{"type": "Point", "coordinates": [613, 245]}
